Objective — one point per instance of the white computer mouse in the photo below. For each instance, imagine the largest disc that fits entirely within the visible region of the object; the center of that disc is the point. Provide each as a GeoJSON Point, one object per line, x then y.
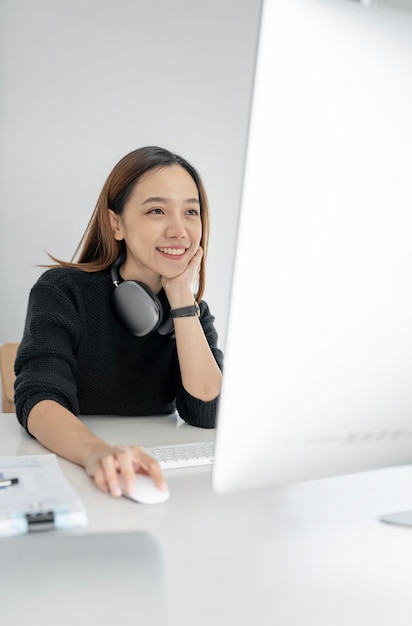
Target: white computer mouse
{"type": "Point", "coordinates": [146, 492]}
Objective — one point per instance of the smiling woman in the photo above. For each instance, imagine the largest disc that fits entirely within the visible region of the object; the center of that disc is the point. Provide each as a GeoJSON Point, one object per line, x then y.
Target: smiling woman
{"type": "Point", "coordinates": [88, 350]}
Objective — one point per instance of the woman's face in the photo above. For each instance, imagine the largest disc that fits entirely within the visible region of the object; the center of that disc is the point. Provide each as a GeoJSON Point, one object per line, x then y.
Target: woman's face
{"type": "Point", "coordinates": [161, 226]}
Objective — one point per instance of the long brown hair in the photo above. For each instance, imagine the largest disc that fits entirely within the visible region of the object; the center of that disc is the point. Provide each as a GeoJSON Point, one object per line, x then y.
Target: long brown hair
{"type": "Point", "coordinates": [98, 248]}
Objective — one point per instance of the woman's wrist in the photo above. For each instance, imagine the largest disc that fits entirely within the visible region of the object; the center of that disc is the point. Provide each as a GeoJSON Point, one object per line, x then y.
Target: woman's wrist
{"type": "Point", "coordinates": [91, 449]}
{"type": "Point", "coordinates": [179, 296]}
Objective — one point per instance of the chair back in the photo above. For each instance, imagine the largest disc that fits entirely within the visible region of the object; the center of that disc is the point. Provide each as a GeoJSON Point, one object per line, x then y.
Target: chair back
{"type": "Point", "coordinates": [7, 357]}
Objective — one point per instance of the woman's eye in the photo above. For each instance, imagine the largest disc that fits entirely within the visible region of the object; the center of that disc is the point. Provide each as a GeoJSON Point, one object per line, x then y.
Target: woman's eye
{"type": "Point", "coordinates": [155, 211]}
{"type": "Point", "coordinates": [193, 212]}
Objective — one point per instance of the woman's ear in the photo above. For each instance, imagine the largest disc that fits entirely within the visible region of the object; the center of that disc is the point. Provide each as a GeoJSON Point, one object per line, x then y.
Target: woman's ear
{"type": "Point", "coordinates": [116, 225]}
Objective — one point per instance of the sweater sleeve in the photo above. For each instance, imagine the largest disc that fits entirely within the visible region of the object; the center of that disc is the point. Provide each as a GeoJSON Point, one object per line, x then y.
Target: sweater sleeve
{"type": "Point", "coordinates": [45, 364]}
{"type": "Point", "coordinates": [192, 410]}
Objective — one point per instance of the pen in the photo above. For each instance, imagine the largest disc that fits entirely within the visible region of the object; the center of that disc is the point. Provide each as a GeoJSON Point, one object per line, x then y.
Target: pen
{"type": "Point", "coordinates": [8, 482]}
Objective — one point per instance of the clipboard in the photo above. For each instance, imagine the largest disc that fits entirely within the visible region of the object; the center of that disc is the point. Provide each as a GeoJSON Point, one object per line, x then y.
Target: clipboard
{"type": "Point", "coordinates": [41, 498]}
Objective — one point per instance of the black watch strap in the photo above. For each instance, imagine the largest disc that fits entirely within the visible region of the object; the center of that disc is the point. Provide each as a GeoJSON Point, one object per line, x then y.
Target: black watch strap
{"type": "Point", "coordinates": [186, 311]}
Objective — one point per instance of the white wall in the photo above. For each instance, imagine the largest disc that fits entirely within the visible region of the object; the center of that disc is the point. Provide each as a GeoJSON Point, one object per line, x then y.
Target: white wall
{"type": "Point", "coordinates": [83, 82]}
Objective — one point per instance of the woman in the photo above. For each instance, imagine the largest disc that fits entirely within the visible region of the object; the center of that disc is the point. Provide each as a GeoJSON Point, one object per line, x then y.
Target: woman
{"type": "Point", "coordinates": [85, 349]}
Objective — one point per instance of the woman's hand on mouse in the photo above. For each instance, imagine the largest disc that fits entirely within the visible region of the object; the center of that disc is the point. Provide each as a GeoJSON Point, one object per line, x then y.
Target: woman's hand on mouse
{"type": "Point", "coordinates": [114, 467]}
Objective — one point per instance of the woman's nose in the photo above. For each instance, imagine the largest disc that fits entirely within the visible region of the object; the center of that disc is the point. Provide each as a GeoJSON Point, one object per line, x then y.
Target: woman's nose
{"type": "Point", "coordinates": [176, 229]}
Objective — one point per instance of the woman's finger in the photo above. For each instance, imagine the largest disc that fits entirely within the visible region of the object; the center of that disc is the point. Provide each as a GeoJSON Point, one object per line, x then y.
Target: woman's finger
{"type": "Point", "coordinates": [111, 475]}
{"type": "Point", "coordinates": [149, 466]}
{"type": "Point", "coordinates": [100, 479]}
{"type": "Point", "coordinates": [125, 467]}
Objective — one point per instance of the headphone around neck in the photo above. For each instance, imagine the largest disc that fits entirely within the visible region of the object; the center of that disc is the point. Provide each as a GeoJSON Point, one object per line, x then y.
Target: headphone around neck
{"type": "Point", "coordinates": [135, 306]}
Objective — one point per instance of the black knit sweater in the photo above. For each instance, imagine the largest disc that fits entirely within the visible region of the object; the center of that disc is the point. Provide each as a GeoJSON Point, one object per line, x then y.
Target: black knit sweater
{"type": "Point", "coordinates": [74, 351]}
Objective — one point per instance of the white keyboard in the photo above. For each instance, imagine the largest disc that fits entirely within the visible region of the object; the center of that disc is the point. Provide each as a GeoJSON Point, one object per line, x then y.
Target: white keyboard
{"type": "Point", "coordinates": [183, 454]}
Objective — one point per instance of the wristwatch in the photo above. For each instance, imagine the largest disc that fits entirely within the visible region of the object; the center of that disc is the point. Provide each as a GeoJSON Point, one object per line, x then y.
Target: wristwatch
{"type": "Point", "coordinates": [186, 311]}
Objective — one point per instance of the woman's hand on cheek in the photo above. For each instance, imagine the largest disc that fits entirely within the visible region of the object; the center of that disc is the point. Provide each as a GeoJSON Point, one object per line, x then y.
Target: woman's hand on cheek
{"type": "Point", "coordinates": [187, 278]}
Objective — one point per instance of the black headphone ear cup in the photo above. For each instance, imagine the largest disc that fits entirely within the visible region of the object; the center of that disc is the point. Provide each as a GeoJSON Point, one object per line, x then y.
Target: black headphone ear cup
{"type": "Point", "coordinates": [136, 307]}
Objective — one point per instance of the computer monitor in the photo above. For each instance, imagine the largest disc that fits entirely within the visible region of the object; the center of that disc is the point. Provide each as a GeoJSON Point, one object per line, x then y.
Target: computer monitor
{"type": "Point", "coordinates": [318, 370]}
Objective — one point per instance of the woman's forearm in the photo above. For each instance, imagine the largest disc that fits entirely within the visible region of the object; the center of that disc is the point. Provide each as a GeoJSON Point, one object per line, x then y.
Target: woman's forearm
{"type": "Point", "coordinates": [60, 431]}
{"type": "Point", "coordinates": [201, 375]}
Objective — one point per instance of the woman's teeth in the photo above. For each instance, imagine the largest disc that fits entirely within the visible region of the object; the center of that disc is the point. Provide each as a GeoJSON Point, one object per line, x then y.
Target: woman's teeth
{"type": "Point", "coordinates": [174, 251]}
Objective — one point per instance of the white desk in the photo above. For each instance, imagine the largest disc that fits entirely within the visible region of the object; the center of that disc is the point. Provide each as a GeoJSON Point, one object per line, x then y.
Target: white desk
{"type": "Point", "coordinates": [303, 555]}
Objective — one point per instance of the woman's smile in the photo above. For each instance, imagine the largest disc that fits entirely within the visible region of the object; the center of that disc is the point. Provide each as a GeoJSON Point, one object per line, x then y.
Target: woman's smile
{"type": "Point", "coordinates": [171, 252]}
